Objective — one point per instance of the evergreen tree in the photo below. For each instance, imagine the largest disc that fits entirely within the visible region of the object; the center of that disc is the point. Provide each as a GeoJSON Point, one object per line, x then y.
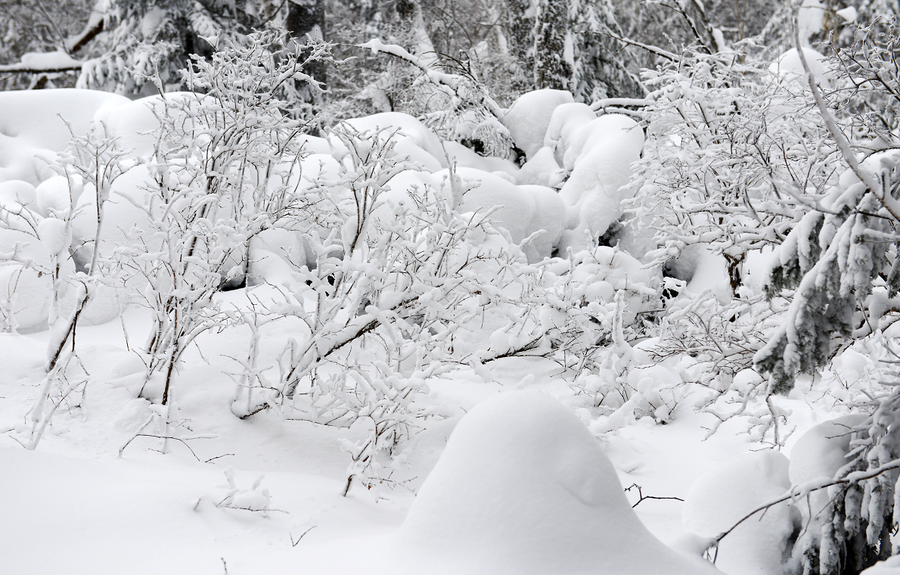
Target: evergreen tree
{"type": "Point", "coordinates": [551, 70]}
{"type": "Point", "coordinates": [599, 62]}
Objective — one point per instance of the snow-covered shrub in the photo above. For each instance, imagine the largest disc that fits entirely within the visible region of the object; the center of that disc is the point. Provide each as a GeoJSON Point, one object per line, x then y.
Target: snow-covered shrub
{"type": "Point", "coordinates": [867, 66]}
{"type": "Point", "coordinates": [400, 283]}
{"type": "Point", "coordinates": [727, 157]}
{"type": "Point", "coordinates": [220, 171]}
{"type": "Point", "coordinates": [91, 168]}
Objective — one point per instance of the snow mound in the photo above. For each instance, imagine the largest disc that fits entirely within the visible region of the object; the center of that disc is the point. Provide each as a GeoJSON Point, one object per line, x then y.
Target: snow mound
{"type": "Point", "coordinates": [606, 149]}
{"type": "Point", "coordinates": [816, 458]}
{"type": "Point", "coordinates": [524, 488]}
{"type": "Point", "coordinates": [565, 123]}
{"type": "Point", "coordinates": [541, 169]}
{"type": "Point", "coordinates": [822, 451]}
{"type": "Point", "coordinates": [413, 139]}
{"type": "Point", "coordinates": [521, 210]}
{"type": "Point", "coordinates": [725, 494]}
{"type": "Point", "coordinates": [789, 66]}
{"type": "Point", "coordinates": [529, 117]}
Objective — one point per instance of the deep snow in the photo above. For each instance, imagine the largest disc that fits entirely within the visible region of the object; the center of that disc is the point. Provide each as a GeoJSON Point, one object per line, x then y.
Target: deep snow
{"type": "Point", "coordinates": [521, 487]}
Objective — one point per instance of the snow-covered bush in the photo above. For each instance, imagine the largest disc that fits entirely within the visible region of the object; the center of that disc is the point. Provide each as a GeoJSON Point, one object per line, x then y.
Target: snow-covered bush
{"type": "Point", "coordinates": [216, 170]}
{"type": "Point", "coordinates": [728, 157]}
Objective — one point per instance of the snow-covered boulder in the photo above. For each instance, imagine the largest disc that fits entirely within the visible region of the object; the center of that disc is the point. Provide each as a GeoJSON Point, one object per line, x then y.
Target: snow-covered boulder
{"type": "Point", "coordinates": [596, 188]}
{"type": "Point", "coordinates": [529, 116]}
{"type": "Point", "coordinates": [725, 494]}
{"type": "Point", "coordinates": [523, 488]}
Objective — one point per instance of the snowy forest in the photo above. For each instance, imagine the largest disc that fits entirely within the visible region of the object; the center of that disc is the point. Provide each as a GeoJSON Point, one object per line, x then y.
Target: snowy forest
{"type": "Point", "coordinates": [499, 287]}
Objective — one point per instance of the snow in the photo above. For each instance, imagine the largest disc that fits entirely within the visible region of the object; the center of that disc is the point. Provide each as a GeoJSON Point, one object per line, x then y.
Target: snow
{"type": "Point", "coordinates": [810, 19]}
{"type": "Point", "coordinates": [531, 479]}
{"type": "Point", "coordinates": [521, 210]}
{"type": "Point", "coordinates": [789, 66]}
{"type": "Point", "coordinates": [48, 61]}
{"type": "Point", "coordinates": [529, 116]}
{"type": "Point", "coordinates": [418, 143]}
{"type": "Point", "coordinates": [603, 153]}
{"type": "Point", "coordinates": [522, 487]}
{"type": "Point", "coordinates": [890, 566]}
{"type": "Point", "coordinates": [565, 123]}
{"type": "Point", "coordinates": [725, 494]}
{"type": "Point", "coordinates": [34, 124]}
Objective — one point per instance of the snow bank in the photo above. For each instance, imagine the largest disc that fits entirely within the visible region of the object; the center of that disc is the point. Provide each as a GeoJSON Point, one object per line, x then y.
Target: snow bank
{"type": "Point", "coordinates": [524, 488]}
{"type": "Point", "coordinates": [529, 116]}
{"type": "Point", "coordinates": [725, 494]}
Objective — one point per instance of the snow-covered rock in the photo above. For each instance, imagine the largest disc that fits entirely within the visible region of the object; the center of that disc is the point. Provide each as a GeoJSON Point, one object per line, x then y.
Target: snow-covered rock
{"type": "Point", "coordinates": [529, 117]}
{"type": "Point", "coordinates": [524, 488]}
{"type": "Point", "coordinates": [725, 494]}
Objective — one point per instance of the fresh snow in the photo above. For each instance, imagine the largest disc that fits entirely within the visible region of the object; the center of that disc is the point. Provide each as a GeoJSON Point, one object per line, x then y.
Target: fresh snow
{"type": "Point", "coordinates": [510, 473]}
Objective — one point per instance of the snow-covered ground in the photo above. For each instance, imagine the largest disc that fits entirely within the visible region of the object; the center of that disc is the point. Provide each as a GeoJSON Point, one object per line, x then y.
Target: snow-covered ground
{"type": "Point", "coordinates": [508, 473]}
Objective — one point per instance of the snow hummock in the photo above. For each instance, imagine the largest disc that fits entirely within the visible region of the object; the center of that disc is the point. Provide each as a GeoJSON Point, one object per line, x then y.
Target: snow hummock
{"type": "Point", "coordinates": [890, 566]}
{"type": "Point", "coordinates": [529, 117]}
{"type": "Point", "coordinates": [603, 153]}
{"type": "Point", "coordinates": [521, 210]}
{"type": "Point", "coordinates": [725, 494]}
{"type": "Point", "coordinates": [524, 488]}
{"type": "Point", "coordinates": [789, 66]}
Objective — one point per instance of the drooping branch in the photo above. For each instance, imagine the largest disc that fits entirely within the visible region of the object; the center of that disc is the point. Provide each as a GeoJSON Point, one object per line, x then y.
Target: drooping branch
{"type": "Point", "coordinates": [43, 63]}
{"type": "Point", "coordinates": [795, 492]}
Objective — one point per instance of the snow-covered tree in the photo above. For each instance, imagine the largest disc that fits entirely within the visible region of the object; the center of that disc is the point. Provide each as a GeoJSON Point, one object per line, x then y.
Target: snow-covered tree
{"type": "Point", "coordinates": [841, 259]}
{"type": "Point", "coordinates": [598, 60]}
{"type": "Point", "coordinates": [551, 70]}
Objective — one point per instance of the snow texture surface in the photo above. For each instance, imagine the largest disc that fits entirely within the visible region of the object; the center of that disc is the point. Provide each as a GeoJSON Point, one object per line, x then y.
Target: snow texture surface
{"type": "Point", "coordinates": [524, 488]}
